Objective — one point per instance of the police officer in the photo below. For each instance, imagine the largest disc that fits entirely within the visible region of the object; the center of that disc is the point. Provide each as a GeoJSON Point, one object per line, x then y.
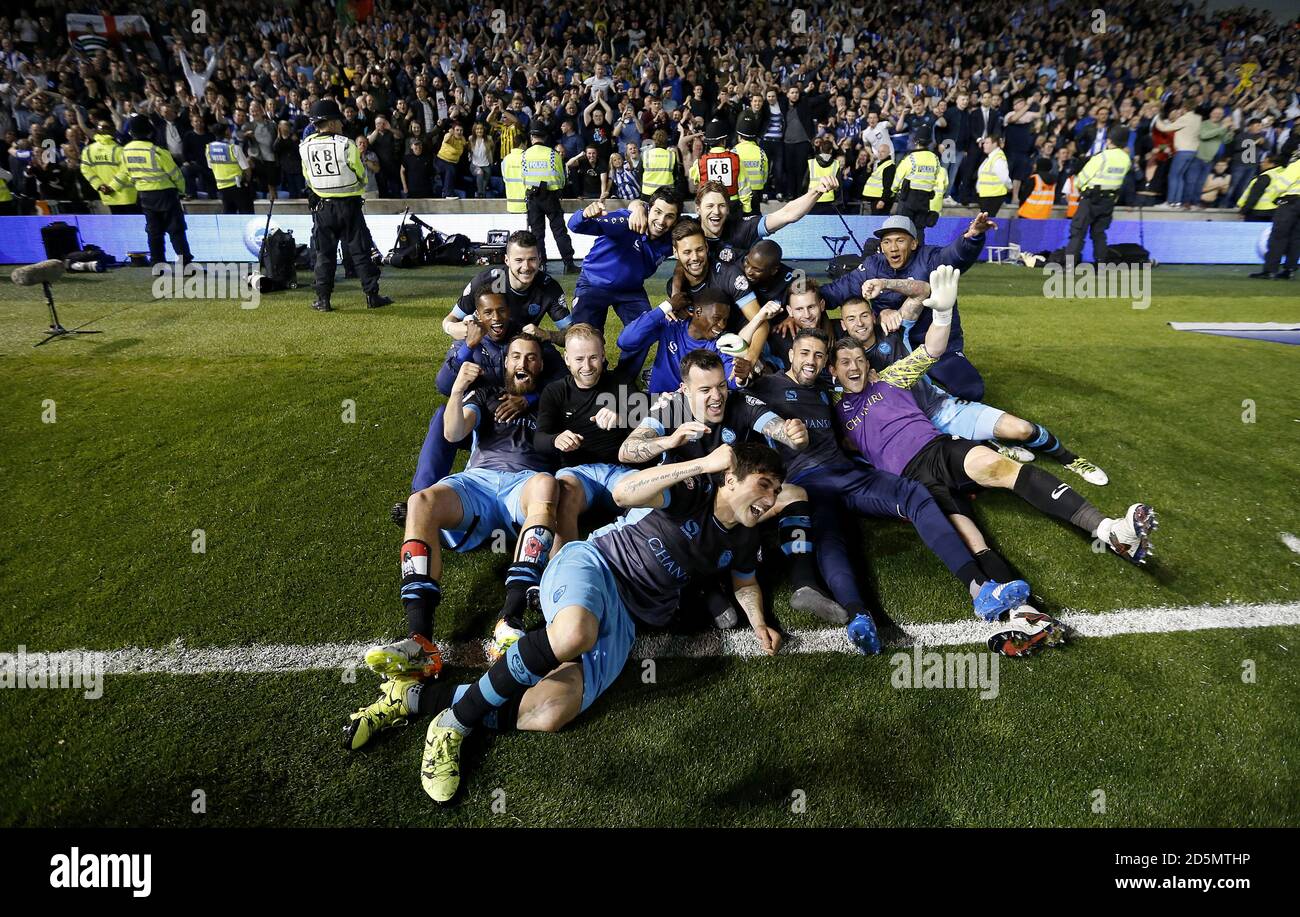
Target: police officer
{"type": "Point", "coordinates": [722, 165]}
{"type": "Point", "coordinates": [332, 166]}
{"type": "Point", "coordinates": [753, 161]}
{"type": "Point", "coordinates": [915, 181]}
{"type": "Point", "coordinates": [1284, 237]}
{"type": "Point", "coordinates": [1098, 183]}
{"type": "Point", "coordinates": [543, 179]}
{"type": "Point", "coordinates": [159, 184]}
{"type": "Point", "coordinates": [512, 173]}
{"type": "Point", "coordinates": [1259, 200]}
{"type": "Point", "coordinates": [231, 170]}
{"type": "Point", "coordinates": [100, 162]}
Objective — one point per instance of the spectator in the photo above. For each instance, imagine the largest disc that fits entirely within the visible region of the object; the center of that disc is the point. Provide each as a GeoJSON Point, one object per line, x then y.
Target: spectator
{"type": "Point", "coordinates": [480, 158]}
{"type": "Point", "coordinates": [588, 175]}
{"type": "Point", "coordinates": [1214, 190]}
{"type": "Point", "coordinates": [450, 153]}
{"type": "Point", "coordinates": [417, 172]}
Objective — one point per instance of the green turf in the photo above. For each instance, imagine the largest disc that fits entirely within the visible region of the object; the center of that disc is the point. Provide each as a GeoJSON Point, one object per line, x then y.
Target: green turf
{"type": "Point", "coordinates": [191, 415]}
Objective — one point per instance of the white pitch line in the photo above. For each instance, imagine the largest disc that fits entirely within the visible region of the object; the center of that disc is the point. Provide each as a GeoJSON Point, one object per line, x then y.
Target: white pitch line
{"type": "Point", "coordinates": [1291, 541]}
{"type": "Point", "coordinates": [178, 659]}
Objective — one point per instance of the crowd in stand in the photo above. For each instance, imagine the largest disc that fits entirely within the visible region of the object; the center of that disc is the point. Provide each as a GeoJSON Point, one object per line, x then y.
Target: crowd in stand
{"type": "Point", "coordinates": [437, 94]}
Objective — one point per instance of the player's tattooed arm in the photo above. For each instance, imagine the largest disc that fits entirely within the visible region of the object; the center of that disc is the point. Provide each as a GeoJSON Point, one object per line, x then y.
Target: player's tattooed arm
{"type": "Point", "coordinates": [750, 599]}
{"type": "Point", "coordinates": [792, 433]}
{"type": "Point", "coordinates": [643, 445]}
{"type": "Point", "coordinates": [904, 285]}
{"type": "Point", "coordinates": [911, 308]}
{"type": "Point", "coordinates": [646, 488]}
{"type": "Point", "coordinates": [549, 335]}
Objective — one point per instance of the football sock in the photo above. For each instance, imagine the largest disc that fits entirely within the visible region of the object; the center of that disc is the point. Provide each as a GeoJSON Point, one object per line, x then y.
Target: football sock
{"type": "Point", "coordinates": [995, 566]}
{"type": "Point", "coordinates": [1046, 442]}
{"type": "Point", "coordinates": [1049, 494]}
{"type": "Point", "coordinates": [533, 551]}
{"type": "Point", "coordinates": [420, 593]}
{"type": "Point", "coordinates": [794, 525]}
{"type": "Point", "coordinates": [425, 698]}
{"type": "Point", "coordinates": [525, 664]}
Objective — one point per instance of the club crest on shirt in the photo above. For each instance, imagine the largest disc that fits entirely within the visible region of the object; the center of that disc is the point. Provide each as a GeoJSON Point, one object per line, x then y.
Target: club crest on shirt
{"type": "Point", "coordinates": [534, 309]}
{"type": "Point", "coordinates": [728, 435]}
{"type": "Point", "coordinates": [724, 560]}
{"type": "Point", "coordinates": [726, 254]}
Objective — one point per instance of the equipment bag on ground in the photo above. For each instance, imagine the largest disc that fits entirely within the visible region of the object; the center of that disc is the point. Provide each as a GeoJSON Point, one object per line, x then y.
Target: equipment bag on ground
{"type": "Point", "coordinates": [278, 263]}
{"type": "Point", "coordinates": [449, 249]}
{"type": "Point", "coordinates": [60, 239]}
{"type": "Point", "coordinates": [408, 250]}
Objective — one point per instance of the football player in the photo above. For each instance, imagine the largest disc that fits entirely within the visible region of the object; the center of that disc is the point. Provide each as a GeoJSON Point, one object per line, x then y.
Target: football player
{"type": "Point", "coordinates": [508, 485]}
{"type": "Point", "coordinates": [880, 418]}
{"type": "Point", "coordinates": [595, 592]}
{"type": "Point", "coordinates": [971, 420]}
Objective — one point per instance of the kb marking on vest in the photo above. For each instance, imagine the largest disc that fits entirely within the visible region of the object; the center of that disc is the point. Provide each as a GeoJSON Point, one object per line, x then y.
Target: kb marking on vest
{"type": "Point", "coordinates": [323, 161]}
{"type": "Point", "coordinates": [719, 170]}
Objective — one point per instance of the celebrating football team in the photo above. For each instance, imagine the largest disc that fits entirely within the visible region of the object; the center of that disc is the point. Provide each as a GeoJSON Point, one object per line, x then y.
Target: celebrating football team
{"type": "Point", "coordinates": [742, 458]}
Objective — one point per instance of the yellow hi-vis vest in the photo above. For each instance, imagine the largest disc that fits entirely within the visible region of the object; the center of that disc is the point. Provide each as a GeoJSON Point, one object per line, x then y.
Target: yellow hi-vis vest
{"type": "Point", "coordinates": [5, 193]}
{"type": "Point", "coordinates": [1038, 206]}
{"type": "Point", "coordinates": [542, 166]}
{"type": "Point", "coordinates": [817, 171]}
{"type": "Point", "coordinates": [1105, 171]}
{"type": "Point", "coordinates": [512, 171]}
{"type": "Point", "coordinates": [223, 159]}
{"type": "Point", "coordinates": [1268, 198]}
{"type": "Point", "coordinates": [100, 161]}
{"type": "Point", "coordinates": [875, 186]}
{"type": "Point", "coordinates": [658, 169]}
{"type": "Point", "coordinates": [920, 168]}
{"type": "Point", "coordinates": [753, 163]}
{"type": "Point", "coordinates": [1288, 183]}
{"type": "Point", "coordinates": [987, 184]}
{"type": "Point", "coordinates": [331, 163]}
{"type": "Point", "coordinates": [940, 190]}
{"type": "Point", "coordinates": [148, 167]}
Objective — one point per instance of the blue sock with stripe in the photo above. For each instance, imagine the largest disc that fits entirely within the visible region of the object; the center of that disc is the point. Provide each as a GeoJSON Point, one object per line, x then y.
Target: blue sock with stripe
{"type": "Point", "coordinates": [1046, 442]}
{"type": "Point", "coordinates": [531, 555]}
{"type": "Point", "coordinates": [795, 527]}
{"type": "Point", "coordinates": [525, 664]}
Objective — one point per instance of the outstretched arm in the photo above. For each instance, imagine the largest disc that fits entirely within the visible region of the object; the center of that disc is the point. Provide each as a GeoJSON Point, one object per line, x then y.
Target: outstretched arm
{"type": "Point", "coordinates": [647, 488]}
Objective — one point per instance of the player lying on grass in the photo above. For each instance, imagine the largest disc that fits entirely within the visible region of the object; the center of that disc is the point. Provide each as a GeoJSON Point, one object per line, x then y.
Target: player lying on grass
{"type": "Point", "coordinates": [507, 485]}
{"type": "Point", "coordinates": [694, 275]}
{"type": "Point", "coordinates": [690, 424]}
{"type": "Point", "coordinates": [689, 322]}
{"type": "Point", "coordinates": [835, 481]}
{"type": "Point", "coordinates": [594, 593]}
{"type": "Point", "coordinates": [878, 416]}
{"type": "Point", "coordinates": [903, 265]}
{"type": "Point", "coordinates": [630, 246]}
{"type": "Point", "coordinates": [971, 420]}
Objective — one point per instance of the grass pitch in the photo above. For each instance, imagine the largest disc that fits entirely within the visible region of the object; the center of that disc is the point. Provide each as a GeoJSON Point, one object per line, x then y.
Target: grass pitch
{"type": "Point", "coordinates": [199, 415]}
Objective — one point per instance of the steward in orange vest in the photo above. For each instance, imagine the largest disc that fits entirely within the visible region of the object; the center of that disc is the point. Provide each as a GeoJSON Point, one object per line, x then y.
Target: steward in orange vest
{"type": "Point", "coordinates": [1038, 206]}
